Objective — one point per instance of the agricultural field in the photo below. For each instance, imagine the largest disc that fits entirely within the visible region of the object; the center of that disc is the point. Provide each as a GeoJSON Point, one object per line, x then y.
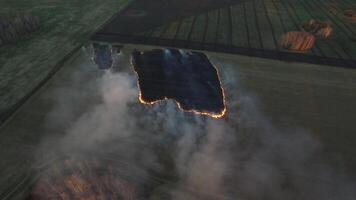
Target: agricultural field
{"type": "Point", "coordinates": [64, 26]}
{"type": "Point", "coordinates": [257, 28]}
{"type": "Point", "coordinates": [37, 141]}
{"type": "Point", "coordinates": [79, 131]}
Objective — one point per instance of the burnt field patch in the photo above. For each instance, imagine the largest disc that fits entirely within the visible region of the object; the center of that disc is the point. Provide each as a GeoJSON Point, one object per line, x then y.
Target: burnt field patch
{"type": "Point", "coordinates": [187, 77]}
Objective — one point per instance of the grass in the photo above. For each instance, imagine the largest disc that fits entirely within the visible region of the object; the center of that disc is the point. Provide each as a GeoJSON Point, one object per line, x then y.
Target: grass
{"type": "Point", "coordinates": [184, 30]}
{"type": "Point", "coordinates": [199, 29]}
{"type": "Point", "coordinates": [211, 31]}
{"type": "Point", "coordinates": [65, 25]}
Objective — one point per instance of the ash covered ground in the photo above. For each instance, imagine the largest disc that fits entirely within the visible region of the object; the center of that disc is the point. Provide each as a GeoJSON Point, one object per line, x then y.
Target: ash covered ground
{"type": "Point", "coordinates": [160, 152]}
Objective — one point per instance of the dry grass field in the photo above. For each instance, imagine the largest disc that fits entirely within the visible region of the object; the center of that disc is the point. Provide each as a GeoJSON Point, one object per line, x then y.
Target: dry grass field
{"type": "Point", "coordinates": [65, 26]}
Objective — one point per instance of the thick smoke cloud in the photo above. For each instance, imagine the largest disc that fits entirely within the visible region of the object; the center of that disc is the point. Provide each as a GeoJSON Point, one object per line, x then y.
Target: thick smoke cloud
{"type": "Point", "coordinates": [241, 157]}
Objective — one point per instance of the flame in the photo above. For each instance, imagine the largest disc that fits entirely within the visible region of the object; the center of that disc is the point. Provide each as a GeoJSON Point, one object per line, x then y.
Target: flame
{"type": "Point", "coordinates": [204, 113]}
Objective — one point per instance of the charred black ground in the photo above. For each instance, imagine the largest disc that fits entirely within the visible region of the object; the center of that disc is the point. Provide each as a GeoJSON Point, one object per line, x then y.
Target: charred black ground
{"type": "Point", "coordinates": [102, 56]}
{"type": "Point", "coordinates": [187, 77]}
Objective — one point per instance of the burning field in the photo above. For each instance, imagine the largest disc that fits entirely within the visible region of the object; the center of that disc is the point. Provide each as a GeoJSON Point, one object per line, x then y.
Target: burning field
{"type": "Point", "coordinates": [114, 147]}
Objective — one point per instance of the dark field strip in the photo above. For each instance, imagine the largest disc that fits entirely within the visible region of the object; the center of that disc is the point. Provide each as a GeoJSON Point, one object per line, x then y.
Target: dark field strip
{"type": "Point", "coordinates": [212, 27]}
{"type": "Point", "coordinates": [238, 27]}
{"type": "Point", "coordinates": [258, 26]}
{"type": "Point", "coordinates": [225, 28]}
{"type": "Point", "coordinates": [269, 54]}
{"type": "Point", "coordinates": [265, 26]}
{"type": "Point", "coordinates": [333, 12]}
{"type": "Point", "coordinates": [327, 47]}
{"type": "Point", "coordinates": [199, 28]}
{"type": "Point", "coordinates": [252, 23]}
{"type": "Point", "coordinates": [349, 3]}
{"type": "Point", "coordinates": [338, 28]}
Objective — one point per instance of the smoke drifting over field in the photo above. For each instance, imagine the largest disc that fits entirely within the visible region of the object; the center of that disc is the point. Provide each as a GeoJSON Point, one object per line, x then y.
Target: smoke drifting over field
{"type": "Point", "coordinates": [182, 156]}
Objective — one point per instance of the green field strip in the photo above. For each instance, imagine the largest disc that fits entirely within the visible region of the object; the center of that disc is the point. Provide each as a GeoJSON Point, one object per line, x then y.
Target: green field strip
{"type": "Point", "coordinates": [148, 33]}
{"type": "Point", "coordinates": [246, 24]}
{"type": "Point", "coordinates": [206, 26]}
{"type": "Point", "coordinates": [230, 25]}
{"type": "Point", "coordinates": [171, 31]}
{"type": "Point", "coordinates": [212, 27]}
{"type": "Point", "coordinates": [337, 14]}
{"type": "Point", "coordinates": [348, 47]}
{"type": "Point", "coordinates": [343, 4]}
{"type": "Point", "coordinates": [140, 33]}
{"type": "Point", "coordinates": [347, 50]}
{"type": "Point", "coordinates": [218, 26]}
{"type": "Point", "coordinates": [254, 35]}
{"type": "Point", "coordinates": [277, 22]}
{"type": "Point", "coordinates": [199, 29]}
{"type": "Point", "coordinates": [266, 26]}
{"type": "Point", "coordinates": [334, 46]}
{"type": "Point", "coordinates": [185, 29]}
{"type": "Point", "coordinates": [276, 17]}
{"type": "Point", "coordinates": [164, 31]}
{"type": "Point", "coordinates": [224, 30]}
{"type": "Point", "coordinates": [350, 3]}
{"type": "Point", "coordinates": [342, 7]}
{"type": "Point", "coordinates": [304, 16]}
{"type": "Point", "coordinates": [317, 13]}
{"type": "Point", "coordinates": [240, 37]}
{"type": "Point", "coordinates": [254, 6]}
{"type": "Point", "coordinates": [286, 21]}
{"type": "Point", "coordinates": [329, 17]}
{"type": "Point", "coordinates": [333, 41]}
{"type": "Point", "coordinates": [178, 29]}
{"type": "Point", "coordinates": [158, 31]}
{"type": "Point", "coordinates": [192, 27]}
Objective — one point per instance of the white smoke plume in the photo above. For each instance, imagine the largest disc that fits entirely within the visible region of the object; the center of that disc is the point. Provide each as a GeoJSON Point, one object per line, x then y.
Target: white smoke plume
{"type": "Point", "coordinates": [188, 157]}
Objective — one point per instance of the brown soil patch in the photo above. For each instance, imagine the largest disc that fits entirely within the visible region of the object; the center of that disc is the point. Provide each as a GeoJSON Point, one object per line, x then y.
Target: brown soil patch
{"type": "Point", "coordinates": [350, 15]}
{"type": "Point", "coordinates": [298, 41]}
